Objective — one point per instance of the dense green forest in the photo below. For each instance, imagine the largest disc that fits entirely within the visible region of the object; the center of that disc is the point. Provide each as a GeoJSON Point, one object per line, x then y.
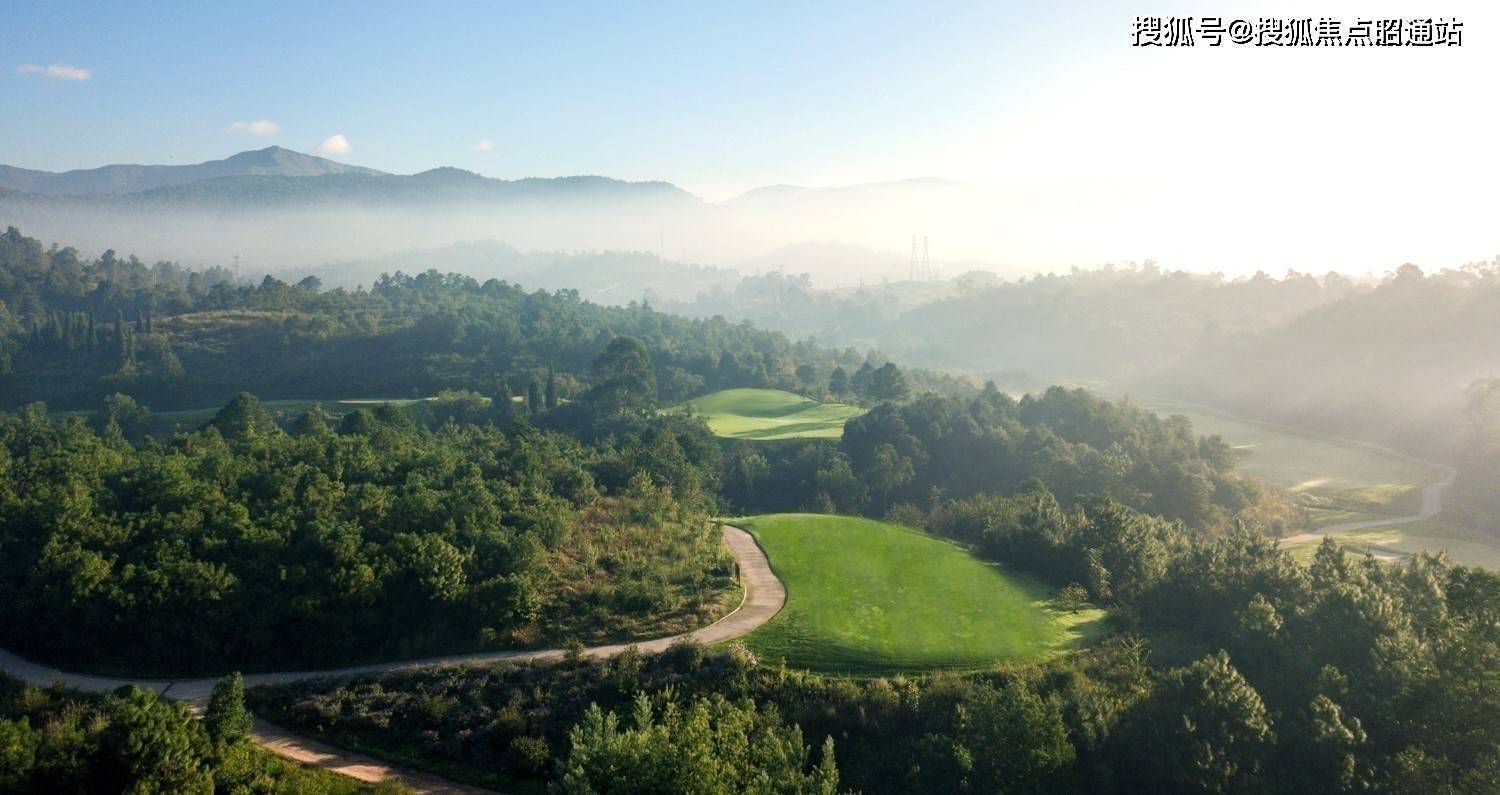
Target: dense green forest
{"type": "Point", "coordinates": [1236, 670]}
{"type": "Point", "coordinates": [935, 447]}
{"type": "Point", "coordinates": [461, 523]}
{"type": "Point", "coordinates": [542, 495]}
{"type": "Point", "coordinates": [243, 545]}
{"type": "Point", "coordinates": [56, 741]}
{"type": "Point", "coordinates": [465, 521]}
{"type": "Point", "coordinates": [75, 331]}
{"type": "Point", "coordinates": [1402, 359]}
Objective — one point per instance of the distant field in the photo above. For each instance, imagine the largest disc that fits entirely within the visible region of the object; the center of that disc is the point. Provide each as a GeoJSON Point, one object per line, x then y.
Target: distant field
{"type": "Point", "coordinates": [1343, 482]}
{"type": "Point", "coordinates": [767, 414]}
{"type": "Point", "coordinates": [1395, 542]}
{"type": "Point", "coordinates": [1347, 480]}
{"type": "Point", "coordinates": [866, 597]}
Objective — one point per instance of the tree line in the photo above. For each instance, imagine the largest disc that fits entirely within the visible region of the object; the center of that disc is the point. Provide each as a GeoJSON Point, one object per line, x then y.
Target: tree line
{"type": "Point", "coordinates": [176, 339]}
{"type": "Point", "coordinates": [936, 447]}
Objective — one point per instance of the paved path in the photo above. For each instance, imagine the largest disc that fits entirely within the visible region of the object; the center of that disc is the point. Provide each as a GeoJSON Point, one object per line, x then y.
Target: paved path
{"type": "Point", "coordinates": [1432, 493]}
{"type": "Point", "coordinates": [764, 597]}
{"type": "Point", "coordinates": [1432, 500]}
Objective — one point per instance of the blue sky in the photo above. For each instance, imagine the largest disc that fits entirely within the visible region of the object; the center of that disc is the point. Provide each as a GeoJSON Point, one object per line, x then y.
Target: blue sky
{"type": "Point", "coordinates": [717, 97]}
{"type": "Point", "coordinates": [1236, 157]}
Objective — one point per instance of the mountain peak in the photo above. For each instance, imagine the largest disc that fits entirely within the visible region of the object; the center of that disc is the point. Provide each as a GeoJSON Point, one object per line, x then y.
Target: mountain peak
{"type": "Point", "coordinates": [272, 161]}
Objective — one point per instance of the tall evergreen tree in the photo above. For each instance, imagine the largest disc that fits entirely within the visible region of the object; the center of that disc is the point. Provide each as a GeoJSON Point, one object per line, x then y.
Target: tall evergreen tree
{"type": "Point", "coordinates": [838, 382]}
{"type": "Point", "coordinates": [227, 720]}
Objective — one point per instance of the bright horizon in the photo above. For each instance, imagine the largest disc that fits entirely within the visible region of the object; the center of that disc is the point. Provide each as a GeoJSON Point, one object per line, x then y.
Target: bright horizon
{"type": "Point", "coordinates": [1232, 159]}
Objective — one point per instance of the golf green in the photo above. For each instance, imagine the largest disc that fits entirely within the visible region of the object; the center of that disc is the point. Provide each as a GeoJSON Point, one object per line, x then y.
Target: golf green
{"type": "Point", "coordinates": [767, 414]}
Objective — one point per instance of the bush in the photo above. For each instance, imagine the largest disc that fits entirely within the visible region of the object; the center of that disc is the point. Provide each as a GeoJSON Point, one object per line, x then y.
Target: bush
{"type": "Point", "coordinates": [528, 756]}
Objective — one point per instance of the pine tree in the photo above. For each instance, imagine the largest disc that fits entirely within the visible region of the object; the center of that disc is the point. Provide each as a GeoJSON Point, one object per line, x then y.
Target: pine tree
{"type": "Point", "coordinates": [227, 720]}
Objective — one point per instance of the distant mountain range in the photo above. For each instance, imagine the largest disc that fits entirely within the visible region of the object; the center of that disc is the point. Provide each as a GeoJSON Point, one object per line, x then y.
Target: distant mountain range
{"type": "Point", "coordinates": [276, 174]}
{"type": "Point", "coordinates": [280, 209]}
{"type": "Point", "coordinates": [272, 161]}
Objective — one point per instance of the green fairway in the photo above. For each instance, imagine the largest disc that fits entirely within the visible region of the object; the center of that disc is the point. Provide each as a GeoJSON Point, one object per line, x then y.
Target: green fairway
{"type": "Point", "coordinates": [772, 414]}
{"type": "Point", "coordinates": [867, 597]}
{"type": "Point", "coordinates": [1344, 479]}
{"type": "Point", "coordinates": [1400, 541]}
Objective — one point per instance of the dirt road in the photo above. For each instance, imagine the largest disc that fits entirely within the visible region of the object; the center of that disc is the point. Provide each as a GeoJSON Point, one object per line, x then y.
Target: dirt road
{"type": "Point", "coordinates": [764, 597]}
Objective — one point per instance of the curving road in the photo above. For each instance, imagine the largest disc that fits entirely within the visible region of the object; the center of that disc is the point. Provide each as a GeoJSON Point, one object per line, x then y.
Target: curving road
{"type": "Point", "coordinates": [764, 597]}
{"type": "Point", "coordinates": [1432, 501]}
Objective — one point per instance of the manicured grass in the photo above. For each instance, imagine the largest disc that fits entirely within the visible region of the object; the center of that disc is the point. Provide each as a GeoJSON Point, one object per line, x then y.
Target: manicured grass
{"type": "Point", "coordinates": [1395, 542]}
{"type": "Point", "coordinates": [1335, 475]}
{"type": "Point", "coordinates": [866, 597]}
{"type": "Point", "coordinates": [772, 414]}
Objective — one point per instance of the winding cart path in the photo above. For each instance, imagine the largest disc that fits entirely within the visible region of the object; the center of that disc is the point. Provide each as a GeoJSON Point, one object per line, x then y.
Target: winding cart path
{"type": "Point", "coordinates": [764, 597]}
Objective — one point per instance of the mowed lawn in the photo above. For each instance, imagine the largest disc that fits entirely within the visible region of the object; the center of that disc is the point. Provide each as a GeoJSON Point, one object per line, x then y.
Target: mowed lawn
{"type": "Point", "coordinates": [867, 597]}
{"type": "Point", "coordinates": [772, 414]}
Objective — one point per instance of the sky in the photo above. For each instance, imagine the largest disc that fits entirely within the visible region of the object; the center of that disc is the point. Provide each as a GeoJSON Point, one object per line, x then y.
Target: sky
{"type": "Point", "coordinates": [1206, 158]}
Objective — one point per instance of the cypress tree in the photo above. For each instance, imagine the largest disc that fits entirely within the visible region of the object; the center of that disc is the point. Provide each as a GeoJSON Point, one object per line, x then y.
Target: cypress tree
{"type": "Point", "coordinates": [502, 406]}
{"type": "Point", "coordinates": [227, 720]}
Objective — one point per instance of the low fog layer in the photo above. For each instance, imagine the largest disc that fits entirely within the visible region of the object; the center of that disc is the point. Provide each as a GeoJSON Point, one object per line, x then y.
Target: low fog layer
{"type": "Point", "coordinates": [280, 210]}
{"type": "Point", "coordinates": [278, 223]}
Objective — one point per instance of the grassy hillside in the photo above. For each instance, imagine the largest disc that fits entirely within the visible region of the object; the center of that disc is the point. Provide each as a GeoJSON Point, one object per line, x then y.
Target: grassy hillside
{"type": "Point", "coordinates": [772, 414]}
{"type": "Point", "coordinates": [869, 597]}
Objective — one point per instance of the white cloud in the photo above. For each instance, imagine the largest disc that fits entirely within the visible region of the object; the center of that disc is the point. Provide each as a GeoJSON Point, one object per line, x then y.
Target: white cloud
{"type": "Point", "coordinates": [56, 71]}
{"type": "Point", "coordinates": [333, 145]}
{"type": "Point", "coordinates": [262, 128]}
{"type": "Point", "coordinates": [483, 145]}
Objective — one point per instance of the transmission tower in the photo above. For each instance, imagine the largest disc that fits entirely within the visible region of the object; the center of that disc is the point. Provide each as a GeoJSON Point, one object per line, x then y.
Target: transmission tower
{"type": "Point", "coordinates": [926, 263]}
{"type": "Point", "coordinates": [912, 272]}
